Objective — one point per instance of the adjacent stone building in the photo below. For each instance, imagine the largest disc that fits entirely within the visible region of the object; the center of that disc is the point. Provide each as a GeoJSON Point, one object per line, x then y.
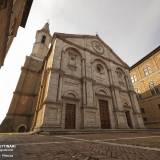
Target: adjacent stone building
{"type": "Point", "coordinates": [73, 82]}
{"type": "Point", "coordinates": [145, 75]}
{"type": "Point", "coordinates": [13, 13]}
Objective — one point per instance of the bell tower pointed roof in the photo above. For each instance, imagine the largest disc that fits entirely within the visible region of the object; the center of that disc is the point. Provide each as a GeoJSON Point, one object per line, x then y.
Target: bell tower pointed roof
{"type": "Point", "coordinates": [46, 28]}
{"type": "Point", "coordinates": [42, 41]}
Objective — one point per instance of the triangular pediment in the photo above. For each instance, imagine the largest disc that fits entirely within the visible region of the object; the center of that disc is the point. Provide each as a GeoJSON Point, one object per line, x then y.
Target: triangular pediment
{"type": "Point", "coordinates": [92, 43]}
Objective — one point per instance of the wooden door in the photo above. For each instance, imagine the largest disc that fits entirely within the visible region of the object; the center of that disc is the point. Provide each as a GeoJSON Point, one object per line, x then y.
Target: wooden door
{"type": "Point", "coordinates": [128, 117]}
{"type": "Point", "coordinates": [104, 114]}
{"type": "Point", "coordinates": [70, 116]}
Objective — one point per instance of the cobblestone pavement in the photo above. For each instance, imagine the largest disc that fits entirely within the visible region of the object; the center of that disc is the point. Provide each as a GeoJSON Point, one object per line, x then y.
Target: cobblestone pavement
{"type": "Point", "coordinates": [108, 146]}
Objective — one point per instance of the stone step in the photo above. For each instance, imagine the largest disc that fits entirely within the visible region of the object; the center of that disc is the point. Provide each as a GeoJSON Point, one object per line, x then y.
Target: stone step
{"type": "Point", "coordinates": [95, 131]}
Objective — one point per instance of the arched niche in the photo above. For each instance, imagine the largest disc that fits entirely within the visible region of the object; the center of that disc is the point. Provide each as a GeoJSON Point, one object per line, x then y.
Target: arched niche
{"type": "Point", "coordinates": [100, 91]}
{"type": "Point", "coordinates": [71, 94]}
{"type": "Point", "coordinates": [100, 71]}
{"type": "Point", "coordinates": [22, 128]}
{"type": "Point", "coordinates": [121, 77]}
{"type": "Point", "coordinates": [101, 62]}
{"type": "Point", "coordinates": [72, 61]}
{"type": "Point", "coordinates": [72, 50]}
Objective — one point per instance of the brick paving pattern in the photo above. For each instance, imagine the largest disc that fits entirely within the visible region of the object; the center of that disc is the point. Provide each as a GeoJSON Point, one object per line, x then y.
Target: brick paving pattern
{"type": "Point", "coordinates": [77, 147]}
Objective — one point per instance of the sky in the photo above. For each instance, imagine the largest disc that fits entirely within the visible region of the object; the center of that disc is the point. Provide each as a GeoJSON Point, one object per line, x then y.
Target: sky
{"type": "Point", "coordinates": [130, 27]}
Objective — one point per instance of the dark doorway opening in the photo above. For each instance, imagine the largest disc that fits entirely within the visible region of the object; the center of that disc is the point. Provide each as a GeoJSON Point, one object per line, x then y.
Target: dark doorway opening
{"type": "Point", "coordinates": [70, 116]}
{"type": "Point", "coordinates": [104, 114]}
{"type": "Point", "coordinates": [22, 129]}
{"type": "Point", "coordinates": [128, 117]}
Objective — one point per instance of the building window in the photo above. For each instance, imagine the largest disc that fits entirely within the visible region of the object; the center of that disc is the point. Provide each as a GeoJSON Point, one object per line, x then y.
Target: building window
{"type": "Point", "coordinates": [72, 60]}
{"type": "Point", "coordinates": [134, 78]}
{"type": "Point", "coordinates": [43, 39]}
{"type": "Point", "coordinates": [159, 106]}
{"type": "Point", "coordinates": [121, 77]}
{"type": "Point", "coordinates": [139, 96]}
{"type": "Point", "coordinates": [154, 90]}
{"type": "Point", "coordinates": [144, 119]}
{"type": "Point", "coordinates": [100, 68]}
{"type": "Point", "coordinates": [147, 70]}
{"type": "Point", "coordinates": [142, 110]}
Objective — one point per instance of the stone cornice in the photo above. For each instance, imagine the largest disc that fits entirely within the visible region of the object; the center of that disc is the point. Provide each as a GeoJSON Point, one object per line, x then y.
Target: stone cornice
{"type": "Point", "coordinates": [105, 96]}
{"type": "Point", "coordinates": [100, 84]}
{"type": "Point", "coordinates": [25, 94]}
{"type": "Point", "coordinates": [29, 70]}
{"type": "Point", "coordinates": [84, 79]}
{"type": "Point", "coordinates": [52, 102]}
{"type": "Point", "coordinates": [90, 107]}
{"type": "Point", "coordinates": [20, 114]}
{"type": "Point", "coordinates": [71, 98]}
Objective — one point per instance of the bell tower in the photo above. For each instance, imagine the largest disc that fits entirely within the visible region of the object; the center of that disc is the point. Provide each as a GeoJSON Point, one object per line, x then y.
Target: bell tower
{"type": "Point", "coordinates": [22, 107]}
{"type": "Point", "coordinates": [41, 45]}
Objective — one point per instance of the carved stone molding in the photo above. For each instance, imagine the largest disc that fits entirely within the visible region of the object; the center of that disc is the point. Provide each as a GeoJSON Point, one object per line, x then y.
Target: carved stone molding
{"type": "Point", "coordinates": [97, 47]}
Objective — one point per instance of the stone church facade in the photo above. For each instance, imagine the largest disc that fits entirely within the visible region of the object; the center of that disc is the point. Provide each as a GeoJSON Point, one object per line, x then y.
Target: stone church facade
{"type": "Point", "coordinates": [74, 82]}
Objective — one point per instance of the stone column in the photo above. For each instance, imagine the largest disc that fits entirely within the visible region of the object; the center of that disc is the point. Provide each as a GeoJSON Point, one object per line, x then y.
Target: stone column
{"type": "Point", "coordinates": [83, 83]}
{"type": "Point", "coordinates": [60, 77]}
{"type": "Point", "coordinates": [134, 102]}
{"type": "Point", "coordinates": [136, 111]}
{"type": "Point", "coordinates": [60, 86]}
{"type": "Point", "coordinates": [128, 83]}
{"type": "Point", "coordinates": [113, 98]}
{"type": "Point", "coordinates": [118, 108]}
{"type": "Point", "coordinates": [112, 88]}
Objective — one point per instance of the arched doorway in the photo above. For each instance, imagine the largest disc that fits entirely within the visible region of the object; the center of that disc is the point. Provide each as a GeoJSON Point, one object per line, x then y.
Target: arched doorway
{"type": "Point", "coordinates": [22, 128]}
{"type": "Point", "coordinates": [71, 110]}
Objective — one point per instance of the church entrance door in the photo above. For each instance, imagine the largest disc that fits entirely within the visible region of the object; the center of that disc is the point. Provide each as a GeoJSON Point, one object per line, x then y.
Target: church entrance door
{"type": "Point", "coordinates": [128, 119]}
{"type": "Point", "coordinates": [70, 116]}
{"type": "Point", "coordinates": [104, 114]}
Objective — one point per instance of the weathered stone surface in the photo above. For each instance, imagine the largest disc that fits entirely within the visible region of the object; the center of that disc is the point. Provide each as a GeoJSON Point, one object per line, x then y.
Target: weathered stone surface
{"type": "Point", "coordinates": [82, 71]}
{"type": "Point", "coordinates": [79, 83]}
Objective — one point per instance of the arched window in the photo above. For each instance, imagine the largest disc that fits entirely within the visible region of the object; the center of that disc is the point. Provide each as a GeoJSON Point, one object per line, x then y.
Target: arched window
{"type": "Point", "coordinates": [154, 90]}
{"type": "Point", "coordinates": [139, 96]}
{"type": "Point", "coordinates": [147, 70]}
{"type": "Point", "coordinates": [99, 68]}
{"type": "Point", "coordinates": [134, 78]}
{"type": "Point", "coordinates": [72, 59]}
{"type": "Point", "coordinates": [121, 77]}
{"type": "Point", "coordinates": [43, 39]}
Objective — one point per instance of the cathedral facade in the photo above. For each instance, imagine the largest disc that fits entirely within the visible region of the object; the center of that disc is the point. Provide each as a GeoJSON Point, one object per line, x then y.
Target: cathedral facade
{"type": "Point", "coordinates": [73, 82]}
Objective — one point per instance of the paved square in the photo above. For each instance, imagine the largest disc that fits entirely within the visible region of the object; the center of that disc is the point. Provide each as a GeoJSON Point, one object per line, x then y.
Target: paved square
{"type": "Point", "coordinates": [106, 146]}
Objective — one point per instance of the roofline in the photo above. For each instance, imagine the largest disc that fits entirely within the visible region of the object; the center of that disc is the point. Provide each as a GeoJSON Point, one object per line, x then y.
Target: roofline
{"type": "Point", "coordinates": [112, 51]}
{"type": "Point", "coordinates": [146, 57]}
{"type": "Point", "coordinates": [26, 13]}
{"type": "Point", "coordinates": [56, 34]}
{"type": "Point", "coordinates": [74, 35]}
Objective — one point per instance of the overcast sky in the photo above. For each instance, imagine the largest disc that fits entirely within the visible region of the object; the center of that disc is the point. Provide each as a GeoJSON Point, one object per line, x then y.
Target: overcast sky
{"type": "Point", "coordinates": [130, 27]}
